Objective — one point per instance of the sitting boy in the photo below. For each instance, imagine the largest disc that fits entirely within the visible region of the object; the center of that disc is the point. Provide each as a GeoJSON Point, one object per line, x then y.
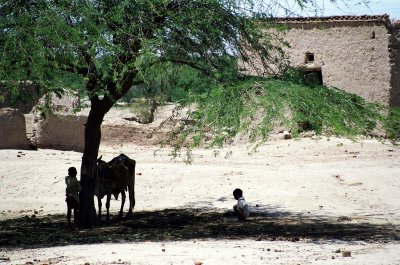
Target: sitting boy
{"type": "Point", "coordinates": [242, 209]}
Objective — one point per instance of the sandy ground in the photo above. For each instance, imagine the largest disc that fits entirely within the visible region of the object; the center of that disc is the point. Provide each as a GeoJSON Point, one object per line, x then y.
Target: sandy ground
{"type": "Point", "coordinates": [304, 181]}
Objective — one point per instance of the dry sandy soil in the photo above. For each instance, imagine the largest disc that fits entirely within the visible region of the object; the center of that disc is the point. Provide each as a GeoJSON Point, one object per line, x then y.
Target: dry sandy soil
{"type": "Point", "coordinates": [312, 200]}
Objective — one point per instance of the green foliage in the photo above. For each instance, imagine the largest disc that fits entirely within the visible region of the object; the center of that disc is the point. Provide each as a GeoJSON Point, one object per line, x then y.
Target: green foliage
{"type": "Point", "coordinates": [256, 106]}
{"type": "Point", "coordinates": [108, 47]}
{"type": "Point", "coordinates": [31, 36]}
{"type": "Point", "coordinates": [277, 26]}
{"type": "Point", "coordinates": [13, 93]}
{"type": "Point", "coordinates": [169, 83]}
{"type": "Point", "coordinates": [392, 123]}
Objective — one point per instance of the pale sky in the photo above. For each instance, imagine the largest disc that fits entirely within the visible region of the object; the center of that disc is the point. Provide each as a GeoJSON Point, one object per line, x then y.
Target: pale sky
{"type": "Point", "coordinates": [340, 7]}
{"type": "Point", "coordinates": [375, 7]}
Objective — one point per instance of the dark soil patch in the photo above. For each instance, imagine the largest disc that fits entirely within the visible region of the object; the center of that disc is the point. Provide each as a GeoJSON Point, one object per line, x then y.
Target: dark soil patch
{"type": "Point", "coordinates": [185, 224]}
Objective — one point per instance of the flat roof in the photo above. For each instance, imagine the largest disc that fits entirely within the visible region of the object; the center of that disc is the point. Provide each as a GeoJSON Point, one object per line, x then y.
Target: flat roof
{"type": "Point", "coordinates": [384, 19]}
{"type": "Point", "coordinates": [375, 18]}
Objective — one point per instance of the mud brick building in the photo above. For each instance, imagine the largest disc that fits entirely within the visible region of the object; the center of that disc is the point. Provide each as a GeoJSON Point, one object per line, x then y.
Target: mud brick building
{"type": "Point", "coordinates": [358, 54]}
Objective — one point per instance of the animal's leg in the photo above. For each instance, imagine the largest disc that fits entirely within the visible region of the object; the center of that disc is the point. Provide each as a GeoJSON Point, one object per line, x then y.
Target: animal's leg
{"type": "Point", "coordinates": [123, 196]}
{"type": "Point", "coordinates": [108, 206]}
{"type": "Point", "coordinates": [131, 199]}
{"type": "Point", "coordinates": [131, 187]}
{"type": "Point", "coordinates": [99, 204]}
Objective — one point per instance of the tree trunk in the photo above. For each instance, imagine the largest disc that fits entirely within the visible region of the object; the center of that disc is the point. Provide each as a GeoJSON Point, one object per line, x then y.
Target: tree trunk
{"type": "Point", "coordinates": [87, 213]}
{"type": "Point", "coordinates": [99, 107]}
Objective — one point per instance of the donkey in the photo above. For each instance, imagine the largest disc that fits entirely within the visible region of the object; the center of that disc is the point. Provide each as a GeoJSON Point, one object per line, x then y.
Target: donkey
{"type": "Point", "coordinates": [113, 178]}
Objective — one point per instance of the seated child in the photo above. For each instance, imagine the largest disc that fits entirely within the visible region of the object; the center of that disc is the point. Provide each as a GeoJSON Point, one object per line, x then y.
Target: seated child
{"type": "Point", "coordinates": [72, 193]}
{"type": "Point", "coordinates": [242, 209]}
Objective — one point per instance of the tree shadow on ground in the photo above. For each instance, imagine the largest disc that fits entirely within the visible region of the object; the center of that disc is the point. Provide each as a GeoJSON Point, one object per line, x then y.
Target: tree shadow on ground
{"type": "Point", "coordinates": [189, 223]}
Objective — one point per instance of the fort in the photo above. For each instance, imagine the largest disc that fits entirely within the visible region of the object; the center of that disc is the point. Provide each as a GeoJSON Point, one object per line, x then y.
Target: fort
{"type": "Point", "coordinates": [358, 54]}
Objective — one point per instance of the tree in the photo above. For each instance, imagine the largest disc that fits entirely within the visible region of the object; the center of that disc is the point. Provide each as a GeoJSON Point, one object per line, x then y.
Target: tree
{"type": "Point", "coordinates": [109, 45]}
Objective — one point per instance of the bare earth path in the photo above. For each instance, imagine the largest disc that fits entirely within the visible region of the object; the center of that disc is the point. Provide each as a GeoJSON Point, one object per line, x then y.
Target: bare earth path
{"type": "Point", "coordinates": [310, 198]}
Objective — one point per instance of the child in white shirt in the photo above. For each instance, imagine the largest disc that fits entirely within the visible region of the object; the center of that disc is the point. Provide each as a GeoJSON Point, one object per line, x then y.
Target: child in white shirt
{"type": "Point", "coordinates": [242, 209]}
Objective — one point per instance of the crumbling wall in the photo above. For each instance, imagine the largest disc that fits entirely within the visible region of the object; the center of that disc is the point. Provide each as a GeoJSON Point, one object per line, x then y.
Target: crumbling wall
{"type": "Point", "coordinates": [13, 129]}
{"type": "Point", "coordinates": [62, 132]}
{"type": "Point", "coordinates": [30, 97]}
{"type": "Point", "coordinates": [67, 103]}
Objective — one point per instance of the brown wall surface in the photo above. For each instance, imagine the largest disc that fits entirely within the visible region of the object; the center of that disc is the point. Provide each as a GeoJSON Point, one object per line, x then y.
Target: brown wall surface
{"type": "Point", "coordinates": [348, 56]}
{"type": "Point", "coordinates": [354, 56]}
{"type": "Point", "coordinates": [13, 129]}
{"type": "Point", "coordinates": [63, 132]}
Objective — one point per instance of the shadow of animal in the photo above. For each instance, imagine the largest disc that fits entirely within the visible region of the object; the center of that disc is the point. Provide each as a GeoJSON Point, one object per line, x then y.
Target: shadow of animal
{"type": "Point", "coordinates": [114, 178]}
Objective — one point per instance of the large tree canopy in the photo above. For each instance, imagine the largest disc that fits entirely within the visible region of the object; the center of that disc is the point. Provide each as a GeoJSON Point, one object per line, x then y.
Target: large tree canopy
{"type": "Point", "coordinates": [109, 45]}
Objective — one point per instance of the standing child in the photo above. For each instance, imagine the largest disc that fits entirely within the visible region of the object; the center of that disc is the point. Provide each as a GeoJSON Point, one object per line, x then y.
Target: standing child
{"type": "Point", "coordinates": [242, 209]}
{"type": "Point", "coordinates": [72, 193]}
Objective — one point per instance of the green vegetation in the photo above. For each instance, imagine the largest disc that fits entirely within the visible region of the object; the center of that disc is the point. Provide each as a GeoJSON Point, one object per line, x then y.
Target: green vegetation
{"type": "Point", "coordinates": [279, 27]}
{"type": "Point", "coordinates": [391, 123]}
{"type": "Point", "coordinates": [169, 83]}
{"type": "Point", "coordinates": [254, 107]}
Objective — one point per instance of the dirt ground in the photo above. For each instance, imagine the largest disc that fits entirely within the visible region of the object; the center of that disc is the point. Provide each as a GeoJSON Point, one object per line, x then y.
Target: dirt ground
{"type": "Point", "coordinates": [312, 199]}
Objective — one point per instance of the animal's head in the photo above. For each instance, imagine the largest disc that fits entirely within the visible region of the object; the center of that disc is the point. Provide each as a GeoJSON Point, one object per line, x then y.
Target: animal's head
{"type": "Point", "coordinates": [102, 167]}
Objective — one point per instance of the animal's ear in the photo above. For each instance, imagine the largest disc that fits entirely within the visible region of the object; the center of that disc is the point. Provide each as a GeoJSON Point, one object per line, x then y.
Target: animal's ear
{"type": "Point", "coordinates": [98, 159]}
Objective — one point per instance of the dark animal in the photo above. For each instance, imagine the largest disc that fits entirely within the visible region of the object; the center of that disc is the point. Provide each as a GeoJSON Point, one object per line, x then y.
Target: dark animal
{"type": "Point", "coordinates": [113, 178]}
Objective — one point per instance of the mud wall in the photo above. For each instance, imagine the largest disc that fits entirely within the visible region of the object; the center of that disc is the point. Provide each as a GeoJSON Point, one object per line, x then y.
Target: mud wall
{"type": "Point", "coordinates": [30, 97]}
{"type": "Point", "coordinates": [353, 56]}
{"type": "Point", "coordinates": [66, 104]}
{"type": "Point", "coordinates": [62, 132]}
{"type": "Point", "coordinates": [13, 129]}
{"type": "Point", "coordinates": [394, 48]}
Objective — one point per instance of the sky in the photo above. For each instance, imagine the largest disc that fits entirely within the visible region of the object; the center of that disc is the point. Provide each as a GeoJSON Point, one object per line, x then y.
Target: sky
{"type": "Point", "coordinates": [375, 7]}
{"type": "Point", "coordinates": [339, 7]}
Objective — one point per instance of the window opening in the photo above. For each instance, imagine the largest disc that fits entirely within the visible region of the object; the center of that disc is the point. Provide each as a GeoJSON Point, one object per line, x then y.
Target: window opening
{"type": "Point", "coordinates": [310, 57]}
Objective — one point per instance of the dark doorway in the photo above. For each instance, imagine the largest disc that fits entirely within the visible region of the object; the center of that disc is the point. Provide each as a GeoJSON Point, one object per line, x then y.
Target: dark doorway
{"type": "Point", "coordinates": [313, 77]}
